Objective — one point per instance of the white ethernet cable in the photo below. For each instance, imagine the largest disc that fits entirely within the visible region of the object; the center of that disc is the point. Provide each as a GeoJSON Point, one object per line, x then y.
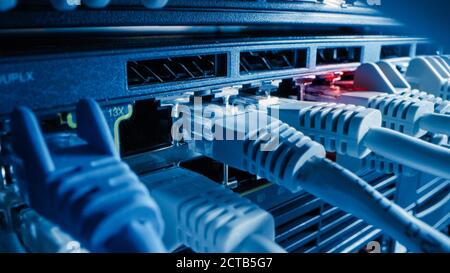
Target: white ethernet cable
{"type": "Point", "coordinates": [410, 116]}
{"type": "Point", "coordinates": [384, 77]}
{"type": "Point", "coordinates": [356, 131]}
{"type": "Point", "coordinates": [404, 115]}
{"type": "Point", "coordinates": [284, 156]}
{"type": "Point", "coordinates": [207, 217]}
{"type": "Point", "coordinates": [384, 165]}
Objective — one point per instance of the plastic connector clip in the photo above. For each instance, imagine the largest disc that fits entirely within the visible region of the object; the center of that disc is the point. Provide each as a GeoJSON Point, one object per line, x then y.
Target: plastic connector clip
{"type": "Point", "coordinates": [78, 182]}
{"type": "Point", "coordinates": [207, 217]}
{"type": "Point", "coordinates": [385, 78]}
{"type": "Point", "coordinates": [430, 74]}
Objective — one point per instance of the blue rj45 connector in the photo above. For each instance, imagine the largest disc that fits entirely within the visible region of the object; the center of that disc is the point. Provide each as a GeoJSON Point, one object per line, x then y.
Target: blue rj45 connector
{"type": "Point", "coordinates": [79, 182]}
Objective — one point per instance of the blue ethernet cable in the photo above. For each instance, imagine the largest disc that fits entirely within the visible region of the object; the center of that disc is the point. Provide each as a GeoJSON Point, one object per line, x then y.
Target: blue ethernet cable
{"type": "Point", "coordinates": [78, 182]}
{"type": "Point", "coordinates": [296, 162]}
{"type": "Point", "coordinates": [356, 131]}
{"type": "Point", "coordinates": [207, 217]}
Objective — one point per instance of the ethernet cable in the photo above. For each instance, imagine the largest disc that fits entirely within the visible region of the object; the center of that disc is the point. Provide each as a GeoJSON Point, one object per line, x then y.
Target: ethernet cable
{"type": "Point", "coordinates": [440, 106]}
{"type": "Point", "coordinates": [385, 78]}
{"type": "Point", "coordinates": [410, 116]}
{"type": "Point", "coordinates": [34, 233]}
{"type": "Point", "coordinates": [38, 235]}
{"type": "Point", "coordinates": [284, 156]}
{"type": "Point", "coordinates": [356, 131]}
{"type": "Point", "coordinates": [383, 165]}
{"type": "Point", "coordinates": [407, 116]}
{"type": "Point", "coordinates": [207, 217]}
{"type": "Point", "coordinates": [78, 182]}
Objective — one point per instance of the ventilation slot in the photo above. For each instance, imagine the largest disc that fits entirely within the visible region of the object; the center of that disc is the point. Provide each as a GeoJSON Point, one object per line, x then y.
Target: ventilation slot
{"type": "Point", "coordinates": [338, 55]}
{"type": "Point", "coordinates": [395, 51]}
{"type": "Point", "coordinates": [438, 194]}
{"type": "Point", "coordinates": [272, 60]}
{"type": "Point", "coordinates": [166, 70]}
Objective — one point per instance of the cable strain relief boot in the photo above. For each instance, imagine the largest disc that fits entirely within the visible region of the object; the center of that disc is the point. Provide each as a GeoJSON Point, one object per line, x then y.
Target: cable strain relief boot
{"type": "Point", "coordinates": [400, 114]}
{"type": "Point", "coordinates": [339, 128]}
{"type": "Point", "coordinates": [277, 152]}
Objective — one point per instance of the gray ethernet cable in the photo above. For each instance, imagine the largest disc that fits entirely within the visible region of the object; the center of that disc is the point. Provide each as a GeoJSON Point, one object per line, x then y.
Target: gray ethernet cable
{"type": "Point", "coordinates": [356, 131]}
{"type": "Point", "coordinates": [286, 157]}
{"type": "Point", "coordinates": [383, 77]}
{"type": "Point", "coordinates": [410, 116]}
{"type": "Point", "coordinates": [207, 217]}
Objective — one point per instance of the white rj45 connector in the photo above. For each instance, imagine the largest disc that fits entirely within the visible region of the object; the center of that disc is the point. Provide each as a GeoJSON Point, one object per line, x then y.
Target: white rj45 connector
{"type": "Point", "coordinates": [385, 78]}
{"type": "Point", "coordinates": [207, 217]}
{"type": "Point", "coordinates": [355, 131]}
{"type": "Point", "coordinates": [410, 116]}
{"type": "Point", "coordinates": [281, 154]}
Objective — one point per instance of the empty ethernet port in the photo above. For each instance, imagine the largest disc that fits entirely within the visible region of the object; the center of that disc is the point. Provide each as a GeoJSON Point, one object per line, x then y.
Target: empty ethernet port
{"type": "Point", "coordinates": [338, 55]}
{"type": "Point", "coordinates": [395, 51]}
{"type": "Point", "coordinates": [149, 128]}
{"type": "Point", "coordinates": [270, 60]}
{"type": "Point", "coordinates": [174, 69]}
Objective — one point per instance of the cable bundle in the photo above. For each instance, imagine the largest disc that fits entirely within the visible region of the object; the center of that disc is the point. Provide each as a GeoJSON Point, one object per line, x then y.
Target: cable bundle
{"type": "Point", "coordinates": [79, 183]}
{"type": "Point", "coordinates": [282, 155]}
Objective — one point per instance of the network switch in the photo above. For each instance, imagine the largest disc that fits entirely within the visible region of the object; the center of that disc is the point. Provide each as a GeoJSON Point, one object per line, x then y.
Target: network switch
{"type": "Point", "coordinates": [220, 126]}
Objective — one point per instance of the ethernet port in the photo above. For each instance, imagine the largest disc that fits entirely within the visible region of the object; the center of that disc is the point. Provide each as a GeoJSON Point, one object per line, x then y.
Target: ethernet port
{"type": "Point", "coordinates": [338, 55]}
{"type": "Point", "coordinates": [395, 51]}
{"type": "Point", "coordinates": [149, 128]}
